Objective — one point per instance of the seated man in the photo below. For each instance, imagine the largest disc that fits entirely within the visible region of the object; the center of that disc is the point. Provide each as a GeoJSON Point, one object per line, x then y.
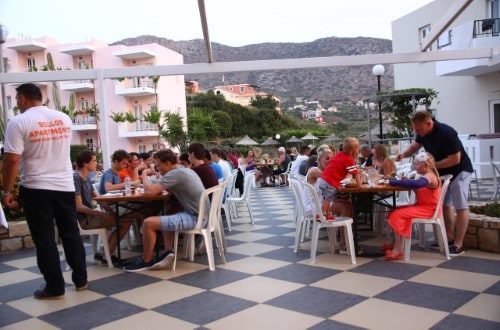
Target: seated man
{"type": "Point", "coordinates": [186, 185]}
{"type": "Point", "coordinates": [88, 216]}
{"type": "Point", "coordinates": [110, 181]}
{"type": "Point", "coordinates": [282, 161]}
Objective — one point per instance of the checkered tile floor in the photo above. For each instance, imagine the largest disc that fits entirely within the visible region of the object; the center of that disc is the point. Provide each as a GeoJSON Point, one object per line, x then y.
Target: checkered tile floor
{"type": "Point", "coordinates": [264, 285]}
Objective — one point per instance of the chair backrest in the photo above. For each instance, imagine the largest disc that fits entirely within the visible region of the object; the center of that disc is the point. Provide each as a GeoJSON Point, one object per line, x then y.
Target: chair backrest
{"type": "Point", "coordinates": [445, 179]}
{"type": "Point", "coordinates": [288, 167]}
{"type": "Point", "coordinates": [297, 191]}
{"type": "Point", "coordinates": [309, 189]}
{"type": "Point", "coordinates": [215, 201]}
{"type": "Point", "coordinates": [299, 177]}
{"type": "Point", "coordinates": [248, 184]}
{"type": "Point", "coordinates": [230, 182]}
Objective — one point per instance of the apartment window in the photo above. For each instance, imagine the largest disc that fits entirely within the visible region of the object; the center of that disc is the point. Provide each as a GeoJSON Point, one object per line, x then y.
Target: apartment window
{"type": "Point", "coordinates": [142, 148]}
{"type": "Point", "coordinates": [89, 142]}
{"type": "Point", "coordinates": [424, 32]}
{"type": "Point", "coordinates": [30, 61]}
{"type": "Point", "coordinates": [138, 114]}
{"type": "Point", "coordinates": [84, 104]}
{"type": "Point", "coordinates": [82, 65]}
{"type": "Point", "coordinates": [444, 40]}
{"type": "Point", "coordinates": [242, 89]}
{"type": "Point", "coordinates": [495, 116]}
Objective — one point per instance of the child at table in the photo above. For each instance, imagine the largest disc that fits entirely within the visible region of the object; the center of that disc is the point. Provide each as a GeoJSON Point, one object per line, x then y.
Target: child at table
{"type": "Point", "coordinates": [427, 188]}
{"type": "Point", "coordinates": [342, 164]}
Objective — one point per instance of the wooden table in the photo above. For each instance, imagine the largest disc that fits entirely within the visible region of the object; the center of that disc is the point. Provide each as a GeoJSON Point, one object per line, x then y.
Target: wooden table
{"type": "Point", "coordinates": [118, 198]}
{"type": "Point", "coordinates": [379, 193]}
{"type": "Point", "coordinates": [267, 170]}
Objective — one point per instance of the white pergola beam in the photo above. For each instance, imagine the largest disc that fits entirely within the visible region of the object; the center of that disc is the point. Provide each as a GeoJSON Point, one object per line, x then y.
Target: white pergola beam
{"type": "Point", "coordinates": [260, 65]}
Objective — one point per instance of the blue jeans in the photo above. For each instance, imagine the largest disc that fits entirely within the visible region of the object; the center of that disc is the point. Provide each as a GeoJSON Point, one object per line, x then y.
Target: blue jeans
{"type": "Point", "coordinates": [41, 207]}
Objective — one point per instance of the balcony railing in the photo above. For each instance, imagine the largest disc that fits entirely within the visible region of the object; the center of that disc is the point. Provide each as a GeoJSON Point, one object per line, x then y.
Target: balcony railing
{"type": "Point", "coordinates": [489, 27]}
{"type": "Point", "coordinates": [84, 120]}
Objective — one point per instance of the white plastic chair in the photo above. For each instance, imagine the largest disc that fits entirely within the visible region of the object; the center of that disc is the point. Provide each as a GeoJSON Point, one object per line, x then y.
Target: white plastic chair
{"type": "Point", "coordinates": [102, 233]}
{"type": "Point", "coordinates": [286, 173]}
{"type": "Point", "coordinates": [437, 221]}
{"type": "Point", "coordinates": [206, 231]}
{"type": "Point", "coordinates": [302, 218]}
{"type": "Point", "coordinates": [229, 188]}
{"type": "Point", "coordinates": [331, 226]}
{"type": "Point", "coordinates": [245, 198]}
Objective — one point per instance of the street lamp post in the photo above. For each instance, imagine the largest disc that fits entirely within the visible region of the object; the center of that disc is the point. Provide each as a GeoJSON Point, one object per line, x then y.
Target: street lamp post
{"type": "Point", "coordinates": [3, 37]}
{"type": "Point", "coordinates": [278, 137]}
{"type": "Point", "coordinates": [379, 70]}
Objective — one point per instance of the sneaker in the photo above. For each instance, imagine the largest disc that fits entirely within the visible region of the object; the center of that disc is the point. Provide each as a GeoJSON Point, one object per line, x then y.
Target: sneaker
{"type": "Point", "coordinates": [44, 294]}
{"type": "Point", "coordinates": [435, 246]}
{"type": "Point", "coordinates": [99, 257]}
{"type": "Point", "coordinates": [138, 265]}
{"type": "Point", "coordinates": [165, 261]}
{"type": "Point", "coordinates": [84, 287]}
{"type": "Point", "coordinates": [456, 251]}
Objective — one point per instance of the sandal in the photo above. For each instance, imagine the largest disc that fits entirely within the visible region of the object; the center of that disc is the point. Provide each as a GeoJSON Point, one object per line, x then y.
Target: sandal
{"type": "Point", "coordinates": [387, 246]}
{"type": "Point", "coordinates": [389, 255]}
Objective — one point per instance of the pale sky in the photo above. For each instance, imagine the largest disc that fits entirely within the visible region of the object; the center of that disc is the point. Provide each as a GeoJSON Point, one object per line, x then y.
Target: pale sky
{"type": "Point", "coordinates": [230, 22]}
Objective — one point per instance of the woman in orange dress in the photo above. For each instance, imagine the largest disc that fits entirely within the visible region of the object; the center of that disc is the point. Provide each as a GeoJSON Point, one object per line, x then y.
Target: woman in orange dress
{"type": "Point", "coordinates": [427, 188]}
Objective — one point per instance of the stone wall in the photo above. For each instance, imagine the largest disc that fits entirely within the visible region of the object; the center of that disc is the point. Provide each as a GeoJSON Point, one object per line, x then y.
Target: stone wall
{"type": "Point", "coordinates": [17, 237]}
{"type": "Point", "coordinates": [483, 233]}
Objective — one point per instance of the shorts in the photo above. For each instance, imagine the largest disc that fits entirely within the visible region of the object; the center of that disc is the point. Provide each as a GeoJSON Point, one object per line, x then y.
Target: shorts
{"type": "Point", "coordinates": [178, 221]}
{"type": "Point", "coordinates": [458, 191]}
{"type": "Point", "coordinates": [95, 221]}
{"type": "Point", "coordinates": [327, 190]}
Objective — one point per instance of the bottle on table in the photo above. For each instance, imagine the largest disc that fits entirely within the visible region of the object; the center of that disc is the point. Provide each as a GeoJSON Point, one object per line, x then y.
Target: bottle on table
{"type": "Point", "coordinates": [128, 186]}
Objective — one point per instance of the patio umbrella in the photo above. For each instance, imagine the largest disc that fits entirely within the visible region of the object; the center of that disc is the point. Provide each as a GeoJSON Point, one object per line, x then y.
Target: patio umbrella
{"type": "Point", "coordinates": [294, 139]}
{"type": "Point", "coordinates": [246, 141]}
{"type": "Point", "coordinates": [332, 138]}
{"type": "Point", "coordinates": [269, 142]}
{"type": "Point", "coordinates": [309, 136]}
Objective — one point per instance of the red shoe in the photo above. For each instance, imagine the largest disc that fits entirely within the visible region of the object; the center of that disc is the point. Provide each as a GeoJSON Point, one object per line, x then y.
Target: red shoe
{"type": "Point", "coordinates": [387, 246]}
{"type": "Point", "coordinates": [389, 255]}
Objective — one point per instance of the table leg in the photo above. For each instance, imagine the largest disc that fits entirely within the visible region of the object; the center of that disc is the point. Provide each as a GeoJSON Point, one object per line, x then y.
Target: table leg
{"type": "Point", "coordinates": [117, 229]}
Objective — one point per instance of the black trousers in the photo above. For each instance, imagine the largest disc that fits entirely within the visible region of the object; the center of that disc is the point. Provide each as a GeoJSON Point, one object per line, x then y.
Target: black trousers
{"type": "Point", "coordinates": [41, 207]}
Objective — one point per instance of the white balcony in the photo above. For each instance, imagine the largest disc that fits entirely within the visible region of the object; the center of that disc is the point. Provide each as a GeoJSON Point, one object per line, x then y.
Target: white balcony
{"type": "Point", "coordinates": [135, 87]}
{"type": "Point", "coordinates": [84, 123]}
{"type": "Point", "coordinates": [77, 50]}
{"type": "Point", "coordinates": [137, 129]}
{"type": "Point", "coordinates": [470, 35]}
{"type": "Point", "coordinates": [26, 45]}
{"type": "Point", "coordinates": [134, 54]}
{"type": "Point", "coordinates": [77, 86]}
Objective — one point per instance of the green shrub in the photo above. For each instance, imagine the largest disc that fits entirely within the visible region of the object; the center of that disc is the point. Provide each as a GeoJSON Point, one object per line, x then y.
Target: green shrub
{"type": "Point", "coordinates": [490, 209]}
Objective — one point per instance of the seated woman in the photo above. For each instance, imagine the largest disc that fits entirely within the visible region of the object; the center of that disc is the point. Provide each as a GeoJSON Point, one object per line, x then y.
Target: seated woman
{"type": "Point", "coordinates": [427, 188]}
{"type": "Point", "coordinates": [382, 162]}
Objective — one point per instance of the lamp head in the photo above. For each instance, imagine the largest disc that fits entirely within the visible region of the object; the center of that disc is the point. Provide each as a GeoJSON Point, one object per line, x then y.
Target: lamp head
{"type": "Point", "coordinates": [277, 136]}
{"type": "Point", "coordinates": [378, 70]}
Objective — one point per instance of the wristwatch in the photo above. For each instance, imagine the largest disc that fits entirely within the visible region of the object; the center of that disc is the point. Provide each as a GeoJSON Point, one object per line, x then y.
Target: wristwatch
{"type": "Point", "coordinates": [5, 193]}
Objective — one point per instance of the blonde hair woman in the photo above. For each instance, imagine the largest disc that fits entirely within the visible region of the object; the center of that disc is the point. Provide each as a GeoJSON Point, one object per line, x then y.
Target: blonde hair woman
{"type": "Point", "coordinates": [427, 188]}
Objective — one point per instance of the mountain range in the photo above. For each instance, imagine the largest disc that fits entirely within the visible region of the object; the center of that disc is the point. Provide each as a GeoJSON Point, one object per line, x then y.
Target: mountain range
{"type": "Point", "coordinates": [328, 85]}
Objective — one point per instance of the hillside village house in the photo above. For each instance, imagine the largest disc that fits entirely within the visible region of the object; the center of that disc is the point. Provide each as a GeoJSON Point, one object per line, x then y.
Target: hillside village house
{"type": "Point", "coordinates": [134, 95]}
{"type": "Point", "coordinates": [242, 94]}
{"type": "Point", "coordinates": [469, 90]}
